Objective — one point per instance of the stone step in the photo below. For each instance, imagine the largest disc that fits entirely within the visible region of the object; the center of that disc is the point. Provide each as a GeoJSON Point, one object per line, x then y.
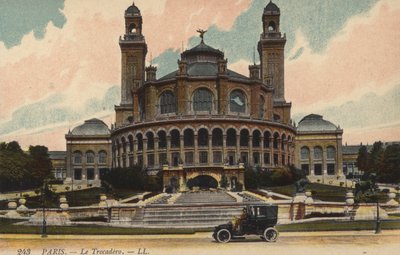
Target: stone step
{"type": "Point", "coordinates": [208, 216]}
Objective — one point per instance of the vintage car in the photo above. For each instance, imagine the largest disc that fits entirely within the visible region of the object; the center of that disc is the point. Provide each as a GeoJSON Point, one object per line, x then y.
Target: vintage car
{"type": "Point", "coordinates": [255, 220]}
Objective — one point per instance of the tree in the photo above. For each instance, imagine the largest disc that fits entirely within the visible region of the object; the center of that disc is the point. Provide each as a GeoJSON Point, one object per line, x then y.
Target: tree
{"type": "Point", "coordinates": [362, 159]}
{"type": "Point", "coordinates": [224, 181]}
{"type": "Point", "coordinates": [250, 178]}
{"type": "Point", "coordinates": [40, 164]}
{"type": "Point", "coordinates": [13, 167]}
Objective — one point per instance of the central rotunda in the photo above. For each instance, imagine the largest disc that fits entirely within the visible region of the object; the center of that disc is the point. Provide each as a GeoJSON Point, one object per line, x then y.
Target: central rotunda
{"type": "Point", "coordinates": [203, 122]}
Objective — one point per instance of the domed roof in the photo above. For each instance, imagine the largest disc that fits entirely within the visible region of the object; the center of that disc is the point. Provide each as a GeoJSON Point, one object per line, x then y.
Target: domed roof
{"type": "Point", "coordinates": [132, 10]}
{"type": "Point", "coordinates": [271, 7]}
{"type": "Point", "coordinates": [91, 127]}
{"type": "Point", "coordinates": [315, 122]}
{"type": "Point", "coordinates": [202, 49]}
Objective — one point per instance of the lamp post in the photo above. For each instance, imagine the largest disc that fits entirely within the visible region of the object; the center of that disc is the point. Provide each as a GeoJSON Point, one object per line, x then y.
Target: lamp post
{"type": "Point", "coordinates": [378, 219]}
{"type": "Point", "coordinates": [44, 227]}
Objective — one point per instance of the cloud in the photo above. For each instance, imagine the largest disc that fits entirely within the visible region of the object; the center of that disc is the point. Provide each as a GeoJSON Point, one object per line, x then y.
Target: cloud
{"type": "Point", "coordinates": [19, 17]}
{"type": "Point", "coordinates": [363, 57]}
{"type": "Point", "coordinates": [53, 110]}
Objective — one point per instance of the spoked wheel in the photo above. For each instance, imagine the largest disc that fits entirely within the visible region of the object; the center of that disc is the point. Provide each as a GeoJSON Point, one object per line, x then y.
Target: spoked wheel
{"type": "Point", "coordinates": [223, 236]}
{"type": "Point", "coordinates": [270, 235]}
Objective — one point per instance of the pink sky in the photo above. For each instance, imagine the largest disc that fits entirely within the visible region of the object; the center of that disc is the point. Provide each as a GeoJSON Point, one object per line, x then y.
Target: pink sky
{"type": "Point", "coordinates": [83, 58]}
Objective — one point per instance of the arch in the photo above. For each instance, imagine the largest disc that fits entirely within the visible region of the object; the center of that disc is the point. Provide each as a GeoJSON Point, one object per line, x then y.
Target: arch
{"type": "Point", "coordinates": [331, 152]}
{"type": "Point", "coordinates": [267, 137]}
{"type": "Point", "coordinates": [231, 137]}
{"type": "Point", "coordinates": [188, 137]}
{"type": "Point", "coordinates": [261, 107]}
{"type": "Point", "coordinates": [256, 138]}
{"type": "Point", "coordinates": [77, 157]}
{"type": "Point", "coordinates": [244, 137]}
{"type": "Point", "coordinates": [275, 141]}
{"type": "Point", "coordinates": [167, 102]}
{"type": "Point", "coordinates": [123, 141]}
{"type": "Point", "coordinates": [304, 153]}
{"type": "Point", "coordinates": [132, 28]}
{"type": "Point", "coordinates": [203, 182]}
{"type": "Point", "coordinates": [162, 139]}
{"type": "Point", "coordinates": [175, 138]}
{"type": "Point", "coordinates": [202, 100]}
{"type": "Point", "coordinates": [283, 141]}
{"type": "Point", "coordinates": [150, 140]}
{"type": "Point", "coordinates": [217, 137]}
{"type": "Point", "coordinates": [237, 101]}
{"type": "Point", "coordinates": [139, 138]}
{"type": "Point", "coordinates": [130, 141]}
{"type": "Point", "coordinates": [317, 153]}
{"type": "Point", "coordinates": [271, 26]}
{"type": "Point", "coordinates": [202, 137]}
{"type": "Point", "coordinates": [89, 157]}
{"type": "Point", "coordinates": [102, 157]}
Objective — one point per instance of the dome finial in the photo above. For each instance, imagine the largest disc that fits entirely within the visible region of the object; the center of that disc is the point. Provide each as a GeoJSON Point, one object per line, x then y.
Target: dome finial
{"type": "Point", "coordinates": [201, 32]}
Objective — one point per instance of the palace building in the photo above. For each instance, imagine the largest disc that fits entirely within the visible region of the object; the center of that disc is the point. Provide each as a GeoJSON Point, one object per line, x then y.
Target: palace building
{"type": "Point", "coordinates": [201, 121]}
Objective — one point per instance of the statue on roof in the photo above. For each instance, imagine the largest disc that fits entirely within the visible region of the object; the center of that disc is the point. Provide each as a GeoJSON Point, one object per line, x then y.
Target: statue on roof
{"type": "Point", "coordinates": [201, 32]}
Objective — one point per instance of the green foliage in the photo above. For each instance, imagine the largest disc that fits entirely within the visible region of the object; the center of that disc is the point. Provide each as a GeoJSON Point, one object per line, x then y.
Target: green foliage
{"type": "Point", "coordinates": [134, 178]}
{"type": "Point", "coordinates": [255, 178]}
{"type": "Point", "coordinates": [224, 181]}
{"type": "Point", "coordinates": [384, 162]}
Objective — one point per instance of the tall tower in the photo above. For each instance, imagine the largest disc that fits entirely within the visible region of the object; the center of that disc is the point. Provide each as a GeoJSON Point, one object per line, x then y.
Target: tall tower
{"type": "Point", "coordinates": [133, 55]}
{"type": "Point", "coordinates": [271, 49]}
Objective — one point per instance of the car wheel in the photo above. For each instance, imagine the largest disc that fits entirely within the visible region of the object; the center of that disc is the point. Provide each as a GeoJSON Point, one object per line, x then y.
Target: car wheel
{"type": "Point", "coordinates": [270, 235]}
{"type": "Point", "coordinates": [223, 235]}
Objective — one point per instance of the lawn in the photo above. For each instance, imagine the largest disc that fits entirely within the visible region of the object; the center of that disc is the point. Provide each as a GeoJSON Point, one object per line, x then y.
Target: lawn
{"type": "Point", "coordinates": [321, 192]}
{"type": "Point", "coordinates": [338, 225]}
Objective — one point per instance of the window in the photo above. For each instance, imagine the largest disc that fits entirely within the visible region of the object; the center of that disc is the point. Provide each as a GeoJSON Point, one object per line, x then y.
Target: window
{"type": "Point", "coordinates": [276, 137]}
{"type": "Point", "coordinates": [189, 158]}
{"type": "Point", "coordinates": [77, 157]}
{"type": "Point", "coordinates": [162, 159]}
{"type": "Point", "coordinates": [150, 160]}
{"type": "Point", "coordinates": [217, 137]}
{"type": "Point", "coordinates": [237, 101]}
{"type": "Point", "coordinates": [256, 139]}
{"type": "Point", "coordinates": [305, 153]}
{"type": "Point", "coordinates": [244, 137]}
{"type": "Point", "coordinates": [102, 157]}
{"type": "Point", "coordinates": [203, 157]}
{"type": "Point", "coordinates": [162, 140]}
{"type": "Point", "coordinates": [318, 153]}
{"type": "Point", "coordinates": [140, 160]}
{"type": "Point", "coordinates": [267, 160]}
{"type": "Point", "coordinates": [202, 137]}
{"type": "Point", "coordinates": [318, 169]}
{"type": "Point", "coordinates": [331, 169]}
{"type": "Point", "coordinates": [267, 136]}
{"type": "Point", "coordinates": [167, 102]}
{"type": "Point", "coordinates": [244, 156]}
{"type": "Point", "coordinates": [231, 137]}
{"type": "Point", "coordinates": [188, 138]}
{"type": "Point", "coordinates": [231, 158]}
{"type": "Point", "coordinates": [89, 157]}
{"type": "Point", "coordinates": [283, 160]}
{"type": "Point", "coordinates": [202, 100]}
{"type": "Point", "coordinates": [261, 108]}
{"type": "Point", "coordinates": [175, 158]}
{"type": "Point", "coordinates": [331, 152]}
{"type": "Point", "coordinates": [139, 138]}
{"type": "Point", "coordinates": [217, 157]}
{"type": "Point", "coordinates": [78, 174]}
{"type": "Point", "coordinates": [256, 158]}
{"type": "Point", "coordinates": [276, 159]}
{"type": "Point", "coordinates": [90, 173]}
{"type": "Point", "coordinates": [150, 141]}
{"type": "Point", "coordinates": [175, 139]}
{"type": "Point", "coordinates": [306, 168]}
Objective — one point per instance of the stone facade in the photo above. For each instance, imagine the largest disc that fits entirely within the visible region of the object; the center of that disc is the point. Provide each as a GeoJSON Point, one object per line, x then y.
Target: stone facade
{"type": "Point", "coordinates": [202, 118]}
{"type": "Point", "coordinates": [319, 150]}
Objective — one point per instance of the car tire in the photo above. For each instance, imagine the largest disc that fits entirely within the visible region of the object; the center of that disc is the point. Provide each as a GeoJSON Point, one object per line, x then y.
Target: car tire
{"type": "Point", "coordinates": [270, 235]}
{"type": "Point", "coordinates": [223, 236]}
